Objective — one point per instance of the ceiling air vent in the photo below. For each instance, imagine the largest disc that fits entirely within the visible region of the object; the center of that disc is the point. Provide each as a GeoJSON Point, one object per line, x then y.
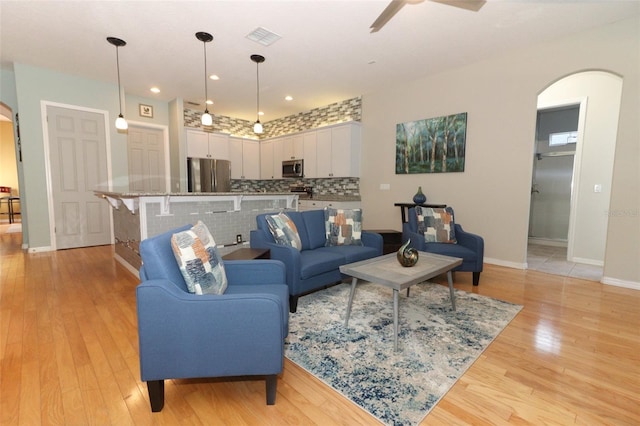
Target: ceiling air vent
{"type": "Point", "coordinates": [263, 36]}
{"type": "Point", "coordinates": [192, 103]}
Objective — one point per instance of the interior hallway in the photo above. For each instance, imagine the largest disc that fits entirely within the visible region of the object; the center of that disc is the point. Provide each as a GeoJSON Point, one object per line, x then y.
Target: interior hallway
{"type": "Point", "coordinates": [553, 260]}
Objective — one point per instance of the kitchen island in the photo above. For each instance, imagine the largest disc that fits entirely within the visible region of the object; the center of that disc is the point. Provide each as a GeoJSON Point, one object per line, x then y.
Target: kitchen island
{"type": "Point", "coordinates": [230, 216]}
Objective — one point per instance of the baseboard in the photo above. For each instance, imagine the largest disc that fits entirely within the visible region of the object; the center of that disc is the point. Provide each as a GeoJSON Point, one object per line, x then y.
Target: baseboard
{"type": "Point", "coordinates": [547, 242]}
{"type": "Point", "coordinates": [40, 249]}
{"type": "Point", "coordinates": [634, 285]}
{"type": "Point", "coordinates": [126, 265]}
{"type": "Point", "coordinates": [588, 261]}
{"type": "Point", "coordinates": [508, 264]}
{"type": "Point", "coordinates": [24, 246]}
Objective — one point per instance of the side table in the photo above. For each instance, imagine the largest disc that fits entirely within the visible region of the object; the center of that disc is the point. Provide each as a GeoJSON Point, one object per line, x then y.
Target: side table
{"type": "Point", "coordinates": [391, 240]}
{"type": "Point", "coordinates": [247, 254]}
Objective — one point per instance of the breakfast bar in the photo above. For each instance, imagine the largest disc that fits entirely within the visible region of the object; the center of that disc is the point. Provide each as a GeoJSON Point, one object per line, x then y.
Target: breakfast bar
{"type": "Point", "coordinates": [230, 216]}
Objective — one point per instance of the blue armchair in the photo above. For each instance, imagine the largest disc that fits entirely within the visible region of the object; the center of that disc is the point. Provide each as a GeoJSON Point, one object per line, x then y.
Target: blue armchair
{"type": "Point", "coordinates": [469, 247]}
{"type": "Point", "coordinates": [183, 335]}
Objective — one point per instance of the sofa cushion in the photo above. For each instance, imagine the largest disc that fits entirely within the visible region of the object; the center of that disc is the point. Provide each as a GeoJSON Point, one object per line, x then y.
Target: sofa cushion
{"type": "Point", "coordinates": [352, 254]}
{"type": "Point", "coordinates": [318, 261]}
{"type": "Point", "coordinates": [436, 224]}
{"type": "Point", "coordinates": [284, 231]}
{"type": "Point", "coordinates": [199, 260]}
{"type": "Point", "coordinates": [315, 227]}
{"type": "Point", "coordinates": [343, 226]}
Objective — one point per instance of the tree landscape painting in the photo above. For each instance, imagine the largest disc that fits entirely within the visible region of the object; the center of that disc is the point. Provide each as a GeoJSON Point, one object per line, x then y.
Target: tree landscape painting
{"type": "Point", "coordinates": [433, 145]}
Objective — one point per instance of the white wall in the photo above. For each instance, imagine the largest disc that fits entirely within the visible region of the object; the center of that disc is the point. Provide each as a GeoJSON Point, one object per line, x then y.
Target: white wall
{"type": "Point", "coordinates": [492, 196]}
{"type": "Point", "coordinates": [594, 157]}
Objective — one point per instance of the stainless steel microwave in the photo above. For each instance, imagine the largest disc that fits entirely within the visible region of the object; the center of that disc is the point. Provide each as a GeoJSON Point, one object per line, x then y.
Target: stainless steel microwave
{"type": "Point", "coordinates": [293, 169]}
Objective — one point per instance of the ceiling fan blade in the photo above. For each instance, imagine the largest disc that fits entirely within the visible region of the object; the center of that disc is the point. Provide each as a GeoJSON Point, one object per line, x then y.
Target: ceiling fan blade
{"type": "Point", "coordinates": [387, 14]}
{"type": "Point", "coordinates": [473, 5]}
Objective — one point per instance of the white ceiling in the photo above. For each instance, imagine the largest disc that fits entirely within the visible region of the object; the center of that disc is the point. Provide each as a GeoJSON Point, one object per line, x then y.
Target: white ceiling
{"type": "Point", "coordinates": [326, 53]}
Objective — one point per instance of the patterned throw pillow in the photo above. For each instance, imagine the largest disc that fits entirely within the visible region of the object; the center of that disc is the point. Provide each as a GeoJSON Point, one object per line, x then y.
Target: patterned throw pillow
{"type": "Point", "coordinates": [343, 227]}
{"type": "Point", "coordinates": [199, 260]}
{"type": "Point", "coordinates": [284, 231]}
{"type": "Point", "coordinates": [436, 224]}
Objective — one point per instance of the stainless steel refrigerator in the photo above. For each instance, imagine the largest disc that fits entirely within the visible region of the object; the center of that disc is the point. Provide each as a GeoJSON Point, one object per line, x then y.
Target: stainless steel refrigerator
{"type": "Point", "coordinates": [208, 175]}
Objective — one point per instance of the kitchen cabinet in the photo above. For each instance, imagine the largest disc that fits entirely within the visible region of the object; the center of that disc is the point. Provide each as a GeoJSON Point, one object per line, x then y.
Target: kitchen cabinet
{"type": "Point", "coordinates": [278, 144]}
{"type": "Point", "coordinates": [245, 158]}
{"type": "Point", "coordinates": [266, 160]}
{"type": "Point", "coordinates": [309, 154]}
{"type": "Point", "coordinates": [292, 147]}
{"type": "Point", "coordinates": [338, 151]}
{"type": "Point", "coordinates": [207, 145]}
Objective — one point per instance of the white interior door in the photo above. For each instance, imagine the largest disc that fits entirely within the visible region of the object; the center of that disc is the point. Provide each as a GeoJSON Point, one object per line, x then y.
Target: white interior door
{"type": "Point", "coordinates": [78, 159]}
{"type": "Point", "coordinates": [146, 160]}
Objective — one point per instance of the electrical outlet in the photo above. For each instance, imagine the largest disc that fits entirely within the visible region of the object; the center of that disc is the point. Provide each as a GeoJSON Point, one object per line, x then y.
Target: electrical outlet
{"type": "Point", "coordinates": [239, 238]}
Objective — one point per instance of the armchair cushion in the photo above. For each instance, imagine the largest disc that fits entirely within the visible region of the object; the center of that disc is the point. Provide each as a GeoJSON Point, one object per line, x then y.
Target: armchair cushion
{"type": "Point", "coordinates": [284, 231]}
{"type": "Point", "coordinates": [436, 224]}
{"type": "Point", "coordinates": [343, 227]}
{"type": "Point", "coordinates": [199, 261]}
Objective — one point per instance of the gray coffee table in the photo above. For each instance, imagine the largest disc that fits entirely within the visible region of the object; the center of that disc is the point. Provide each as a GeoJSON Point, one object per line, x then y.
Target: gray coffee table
{"type": "Point", "coordinates": [387, 271]}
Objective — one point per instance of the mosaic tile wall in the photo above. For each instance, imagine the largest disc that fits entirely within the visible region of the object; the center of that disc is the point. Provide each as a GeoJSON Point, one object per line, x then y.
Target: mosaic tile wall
{"type": "Point", "coordinates": [328, 188]}
{"type": "Point", "coordinates": [339, 112]}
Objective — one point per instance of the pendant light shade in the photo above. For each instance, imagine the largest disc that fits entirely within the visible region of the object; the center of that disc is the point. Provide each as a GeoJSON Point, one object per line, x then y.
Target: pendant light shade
{"type": "Point", "coordinates": [121, 123]}
{"type": "Point", "coordinates": [257, 126]}
{"type": "Point", "coordinates": [206, 119]}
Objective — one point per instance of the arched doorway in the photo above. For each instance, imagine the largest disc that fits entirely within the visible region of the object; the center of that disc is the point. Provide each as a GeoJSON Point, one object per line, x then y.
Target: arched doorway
{"type": "Point", "coordinates": [597, 94]}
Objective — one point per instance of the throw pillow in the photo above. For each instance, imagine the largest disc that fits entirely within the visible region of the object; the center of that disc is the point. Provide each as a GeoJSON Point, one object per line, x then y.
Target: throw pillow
{"type": "Point", "coordinates": [199, 260]}
{"type": "Point", "coordinates": [284, 231]}
{"type": "Point", "coordinates": [436, 224]}
{"type": "Point", "coordinates": [343, 227]}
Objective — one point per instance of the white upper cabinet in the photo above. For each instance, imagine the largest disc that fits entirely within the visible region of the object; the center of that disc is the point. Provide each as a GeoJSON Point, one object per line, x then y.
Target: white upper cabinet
{"type": "Point", "coordinates": [278, 144]}
{"type": "Point", "coordinates": [207, 145]}
{"type": "Point", "coordinates": [245, 158]}
{"type": "Point", "coordinates": [309, 155]}
{"type": "Point", "coordinates": [293, 147]}
{"type": "Point", "coordinates": [338, 151]}
{"type": "Point", "coordinates": [266, 159]}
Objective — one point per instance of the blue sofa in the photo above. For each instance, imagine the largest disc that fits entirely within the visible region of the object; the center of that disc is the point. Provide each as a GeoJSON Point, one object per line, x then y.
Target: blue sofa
{"type": "Point", "coordinates": [315, 266]}
{"type": "Point", "coordinates": [469, 247]}
{"type": "Point", "coordinates": [183, 335]}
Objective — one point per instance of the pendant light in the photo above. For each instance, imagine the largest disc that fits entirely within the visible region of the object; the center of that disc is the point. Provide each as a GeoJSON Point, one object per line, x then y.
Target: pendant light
{"type": "Point", "coordinates": [121, 123]}
{"type": "Point", "coordinates": [207, 119]}
{"type": "Point", "coordinates": [257, 126]}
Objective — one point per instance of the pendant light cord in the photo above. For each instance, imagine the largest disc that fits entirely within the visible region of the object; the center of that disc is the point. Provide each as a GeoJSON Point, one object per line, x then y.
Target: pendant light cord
{"type": "Point", "coordinates": [119, 90]}
{"type": "Point", "coordinates": [258, 91]}
{"type": "Point", "coordinates": [206, 106]}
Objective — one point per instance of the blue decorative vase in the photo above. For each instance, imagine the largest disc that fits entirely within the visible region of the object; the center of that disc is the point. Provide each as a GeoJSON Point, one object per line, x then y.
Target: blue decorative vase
{"type": "Point", "coordinates": [419, 198]}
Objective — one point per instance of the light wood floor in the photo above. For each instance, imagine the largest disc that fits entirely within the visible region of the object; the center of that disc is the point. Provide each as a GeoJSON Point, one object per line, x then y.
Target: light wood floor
{"type": "Point", "coordinates": [68, 348]}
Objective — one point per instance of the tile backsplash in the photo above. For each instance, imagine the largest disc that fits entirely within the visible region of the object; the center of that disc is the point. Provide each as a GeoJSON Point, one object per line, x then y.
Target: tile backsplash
{"type": "Point", "coordinates": [338, 112]}
{"type": "Point", "coordinates": [348, 188]}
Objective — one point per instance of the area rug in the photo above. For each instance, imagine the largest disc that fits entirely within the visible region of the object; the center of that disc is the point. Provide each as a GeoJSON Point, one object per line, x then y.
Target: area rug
{"type": "Point", "coordinates": [436, 345]}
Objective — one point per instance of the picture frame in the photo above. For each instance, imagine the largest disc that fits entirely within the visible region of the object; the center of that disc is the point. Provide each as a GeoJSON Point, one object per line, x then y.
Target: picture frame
{"type": "Point", "coordinates": [145, 110]}
{"type": "Point", "coordinates": [433, 145]}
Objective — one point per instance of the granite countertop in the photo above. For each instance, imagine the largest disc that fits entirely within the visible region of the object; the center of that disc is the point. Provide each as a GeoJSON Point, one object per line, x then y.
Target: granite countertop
{"type": "Point", "coordinates": [186, 194]}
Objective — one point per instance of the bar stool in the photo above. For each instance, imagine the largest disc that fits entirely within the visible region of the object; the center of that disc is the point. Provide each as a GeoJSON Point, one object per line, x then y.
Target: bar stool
{"type": "Point", "coordinates": [10, 200]}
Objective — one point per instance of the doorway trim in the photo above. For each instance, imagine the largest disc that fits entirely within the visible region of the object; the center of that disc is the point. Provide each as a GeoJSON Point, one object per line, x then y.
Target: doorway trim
{"type": "Point", "coordinates": [47, 160]}
{"type": "Point", "coordinates": [577, 162]}
{"type": "Point", "coordinates": [165, 141]}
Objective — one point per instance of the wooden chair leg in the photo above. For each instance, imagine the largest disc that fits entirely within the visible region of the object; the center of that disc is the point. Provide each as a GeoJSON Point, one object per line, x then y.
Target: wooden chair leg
{"type": "Point", "coordinates": [156, 394]}
{"type": "Point", "coordinates": [272, 384]}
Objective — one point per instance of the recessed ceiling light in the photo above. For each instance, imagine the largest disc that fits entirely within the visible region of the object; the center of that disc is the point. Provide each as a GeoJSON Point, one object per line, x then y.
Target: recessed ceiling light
{"type": "Point", "coordinates": [214, 77]}
{"type": "Point", "coordinates": [288, 98]}
{"type": "Point", "coordinates": [209, 102]}
{"type": "Point", "coordinates": [155, 90]}
{"type": "Point", "coordinates": [260, 113]}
